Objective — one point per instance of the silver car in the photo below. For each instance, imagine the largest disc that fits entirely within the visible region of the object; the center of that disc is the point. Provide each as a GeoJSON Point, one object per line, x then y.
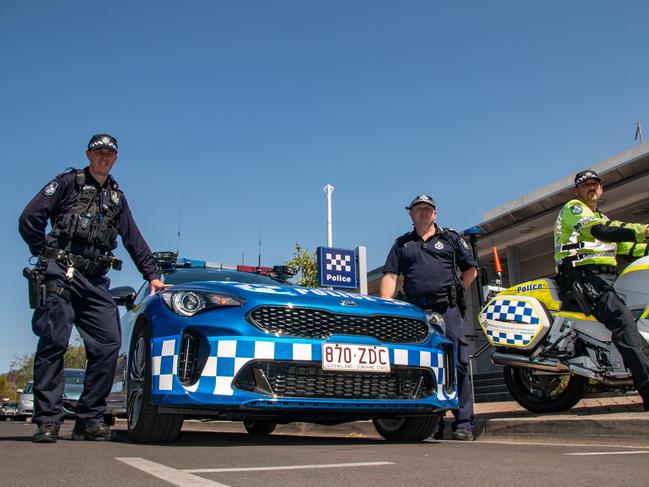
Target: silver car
{"type": "Point", "coordinates": [72, 391]}
{"type": "Point", "coordinates": [26, 402]}
{"type": "Point", "coordinates": [8, 411]}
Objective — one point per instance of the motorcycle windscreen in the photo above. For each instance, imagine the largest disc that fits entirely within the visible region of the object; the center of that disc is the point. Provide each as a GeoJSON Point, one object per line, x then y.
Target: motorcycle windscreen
{"type": "Point", "coordinates": [514, 321]}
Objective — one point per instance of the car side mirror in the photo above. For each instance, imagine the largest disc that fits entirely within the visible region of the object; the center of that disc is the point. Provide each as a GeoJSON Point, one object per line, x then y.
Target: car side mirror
{"type": "Point", "coordinates": [123, 296]}
{"type": "Point", "coordinates": [19, 391]}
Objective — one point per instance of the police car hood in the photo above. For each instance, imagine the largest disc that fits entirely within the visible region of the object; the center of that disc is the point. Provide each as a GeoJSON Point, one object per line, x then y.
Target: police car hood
{"type": "Point", "coordinates": [333, 300]}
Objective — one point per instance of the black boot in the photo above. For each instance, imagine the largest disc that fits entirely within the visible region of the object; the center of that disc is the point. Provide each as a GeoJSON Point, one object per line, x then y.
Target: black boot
{"type": "Point", "coordinates": [96, 432]}
{"type": "Point", "coordinates": [461, 434]}
{"type": "Point", "coordinates": [46, 433]}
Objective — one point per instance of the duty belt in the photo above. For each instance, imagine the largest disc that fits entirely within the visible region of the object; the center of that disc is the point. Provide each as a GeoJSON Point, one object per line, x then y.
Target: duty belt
{"type": "Point", "coordinates": [434, 300]}
{"type": "Point", "coordinates": [89, 267]}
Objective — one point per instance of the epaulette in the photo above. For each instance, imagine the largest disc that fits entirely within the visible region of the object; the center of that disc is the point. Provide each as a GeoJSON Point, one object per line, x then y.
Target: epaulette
{"type": "Point", "coordinates": [401, 237]}
{"type": "Point", "coordinates": [113, 184]}
{"type": "Point", "coordinates": [67, 170]}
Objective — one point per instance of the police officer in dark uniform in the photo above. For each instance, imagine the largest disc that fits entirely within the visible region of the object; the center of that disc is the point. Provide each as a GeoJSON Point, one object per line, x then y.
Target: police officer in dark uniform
{"type": "Point", "coordinates": [87, 212]}
{"type": "Point", "coordinates": [428, 257]}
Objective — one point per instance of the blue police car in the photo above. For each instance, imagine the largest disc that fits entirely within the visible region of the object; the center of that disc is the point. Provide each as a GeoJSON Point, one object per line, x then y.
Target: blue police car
{"type": "Point", "coordinates": [222, 344]}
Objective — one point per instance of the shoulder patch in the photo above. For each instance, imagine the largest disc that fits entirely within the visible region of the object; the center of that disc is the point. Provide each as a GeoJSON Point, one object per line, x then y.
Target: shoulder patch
{"type": "Point", "coordinates": [576, 209]}
{"type": "Point", "coordinates": [50, 189]}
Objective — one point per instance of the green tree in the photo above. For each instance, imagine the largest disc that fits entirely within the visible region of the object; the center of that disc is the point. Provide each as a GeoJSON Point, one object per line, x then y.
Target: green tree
{"type": "Point", "coordinates": [21, 369]}
{"type": "Point", "coordinates": [75, 357]}
{"type": "Point", "coordinates": [6, 390]}
{"type": "Point", "coordinates": [305, 264]}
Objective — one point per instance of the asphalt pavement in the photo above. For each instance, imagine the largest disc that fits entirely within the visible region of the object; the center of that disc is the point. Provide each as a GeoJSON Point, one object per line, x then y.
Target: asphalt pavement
{"type": "Point", "coordinates": [205, 458]}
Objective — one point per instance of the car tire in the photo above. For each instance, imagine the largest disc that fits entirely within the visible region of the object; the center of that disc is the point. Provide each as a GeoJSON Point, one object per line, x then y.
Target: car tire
{"type": "Point", "coordinates": [259, 428]}
{"type": "Point", "coordinates": [145, 423]}
{"type": "Point", "coordinates": [407, 429]}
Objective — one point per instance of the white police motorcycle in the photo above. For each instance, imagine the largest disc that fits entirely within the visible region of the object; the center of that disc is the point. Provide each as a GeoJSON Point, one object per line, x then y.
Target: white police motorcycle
{"type": "Point", "coordinates": [551, 355]}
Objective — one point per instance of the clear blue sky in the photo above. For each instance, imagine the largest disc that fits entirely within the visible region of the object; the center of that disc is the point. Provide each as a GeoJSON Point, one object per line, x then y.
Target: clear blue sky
{"type": "Point", "coordinates": [244, 110]}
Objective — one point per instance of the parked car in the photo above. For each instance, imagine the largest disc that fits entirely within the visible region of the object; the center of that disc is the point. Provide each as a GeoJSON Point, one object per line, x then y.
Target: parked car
{"type": "Point", "coordinates": [26, 402]}
{"type": "Point", "coordinates": [9, 410]}
{"type": "Point", "coordinates": [239, 346]}
{"type": "Point", "coordinates": [72, 390]}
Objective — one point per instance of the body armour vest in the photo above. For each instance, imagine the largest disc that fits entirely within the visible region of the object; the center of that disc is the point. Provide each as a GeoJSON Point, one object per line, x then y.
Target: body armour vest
{"type": "Point", "coordinates": [92, 219]}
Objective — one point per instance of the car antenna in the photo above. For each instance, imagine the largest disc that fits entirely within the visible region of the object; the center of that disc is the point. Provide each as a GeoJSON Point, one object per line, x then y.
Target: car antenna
{"type": "Point", "coordinates": [259, 255]}
{"type": "Point", "coordinates": [180, 217]}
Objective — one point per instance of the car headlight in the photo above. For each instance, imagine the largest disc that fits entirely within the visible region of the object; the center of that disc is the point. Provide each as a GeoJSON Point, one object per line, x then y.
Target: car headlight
{"type": "Point", "coordinates": [188, 303]}
{"type": "Point", "coordinates": [436, 322]}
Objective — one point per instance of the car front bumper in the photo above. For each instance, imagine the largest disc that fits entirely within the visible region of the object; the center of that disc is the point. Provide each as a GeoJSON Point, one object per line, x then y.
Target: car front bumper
{"type": "Point", "coordinates": [215, 387]}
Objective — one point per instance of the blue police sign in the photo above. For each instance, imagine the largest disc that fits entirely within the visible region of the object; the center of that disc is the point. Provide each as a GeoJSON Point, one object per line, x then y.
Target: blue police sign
{"type": "Point", "coordinates": [337, 267]}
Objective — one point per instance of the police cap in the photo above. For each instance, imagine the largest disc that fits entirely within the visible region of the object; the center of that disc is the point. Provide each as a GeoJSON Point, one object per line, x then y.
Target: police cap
{"type": "Point", "coordinates": [422, 198]}
{"type": "Point", "coordinates": [102, 141]}
{"type": "Point", "coordinates": [582, 176]}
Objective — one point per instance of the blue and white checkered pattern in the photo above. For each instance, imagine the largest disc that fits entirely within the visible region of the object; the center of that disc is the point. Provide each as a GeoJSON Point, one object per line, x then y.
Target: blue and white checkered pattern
{"type": "Point", "coordinates": [228, 356]}
{"type": "Point", "coordinates": [512, 310]}
{"type": "Point", "coordinates": [509, 338]}
{"type": "Point", "coordinates": [338, 262]}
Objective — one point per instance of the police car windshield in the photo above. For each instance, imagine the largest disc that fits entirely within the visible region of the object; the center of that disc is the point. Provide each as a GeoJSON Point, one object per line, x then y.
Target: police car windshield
{"type": "Point", "coordinates": [182, 276]}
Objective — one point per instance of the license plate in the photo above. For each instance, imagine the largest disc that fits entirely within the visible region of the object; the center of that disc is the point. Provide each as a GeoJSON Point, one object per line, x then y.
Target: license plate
{"type": "Point", "coordinates": [365, 358]}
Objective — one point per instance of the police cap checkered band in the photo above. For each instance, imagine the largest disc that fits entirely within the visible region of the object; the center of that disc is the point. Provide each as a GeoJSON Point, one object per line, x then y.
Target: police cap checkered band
{"type": "Point", "coordinates": [102, 141]}
{"type": "Point", "coordinates": [422, 198]}
{"type": "Point", "coordinates": [582, 176]}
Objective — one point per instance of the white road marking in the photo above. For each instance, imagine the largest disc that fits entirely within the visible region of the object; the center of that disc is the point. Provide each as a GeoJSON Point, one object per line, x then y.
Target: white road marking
{"type": "Point", "coordinates": [585, 454]}
{"type": "Point", "coordinates": [285, 467]}
{"type": "Point", "coordinates": [168, 474]}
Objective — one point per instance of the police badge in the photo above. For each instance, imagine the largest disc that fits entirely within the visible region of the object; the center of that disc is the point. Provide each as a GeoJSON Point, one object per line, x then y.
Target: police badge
{"type": "Point", "coordinates": [576, 209]}
{"type": "Point", "coordinates": [439, 245]}
{"type": "Point", "coordinates": [50, 189]}
{"type": "Point", "coordinates": [114, 196]}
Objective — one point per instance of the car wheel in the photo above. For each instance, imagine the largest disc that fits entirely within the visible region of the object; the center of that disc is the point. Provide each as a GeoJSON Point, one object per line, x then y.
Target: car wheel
{"type": "Point", "coordinates": [145, 423]}
{"type": "Point", "coordinates": [407, 429]}
{"type": "Point", "coordinates": [259, 428]}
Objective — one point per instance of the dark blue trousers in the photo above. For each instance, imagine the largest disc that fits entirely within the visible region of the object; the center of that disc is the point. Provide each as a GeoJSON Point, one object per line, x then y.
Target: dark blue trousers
{"type": "Point", "coordinates": [93, 311]}
{"type": "Point", "coordinates": [613, 312]}
{"type": "Point", "coordinates": [455, 333]}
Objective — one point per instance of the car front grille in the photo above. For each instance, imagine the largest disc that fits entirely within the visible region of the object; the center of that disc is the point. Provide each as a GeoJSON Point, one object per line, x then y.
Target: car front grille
{"type": "Point", "coordinates": [319, 324]}
{"type": "Point", "coordinates": [194, 350]}
{"type": "Point", "coordinates": [308, 380]}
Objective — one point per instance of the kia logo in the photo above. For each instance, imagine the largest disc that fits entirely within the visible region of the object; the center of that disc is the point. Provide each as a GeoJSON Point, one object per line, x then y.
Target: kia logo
{"type": "Point", "coordinates": [346, 302]}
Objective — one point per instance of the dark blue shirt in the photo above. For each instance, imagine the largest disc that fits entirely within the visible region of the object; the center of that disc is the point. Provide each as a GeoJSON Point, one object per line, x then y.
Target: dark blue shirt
{"type": "Point", "coordinates": [428, 267]}
{"type": "Point", "coordinates": [58, 197]}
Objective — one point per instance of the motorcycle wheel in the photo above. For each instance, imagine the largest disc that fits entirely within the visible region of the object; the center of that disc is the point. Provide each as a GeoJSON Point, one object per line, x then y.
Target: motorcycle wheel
{"type": "Point", "coordinates": [544, 393]}
{"type": "Point", "coordinates": [145, 424]}
{"type": "Point", "coordinates": [407, 429]}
